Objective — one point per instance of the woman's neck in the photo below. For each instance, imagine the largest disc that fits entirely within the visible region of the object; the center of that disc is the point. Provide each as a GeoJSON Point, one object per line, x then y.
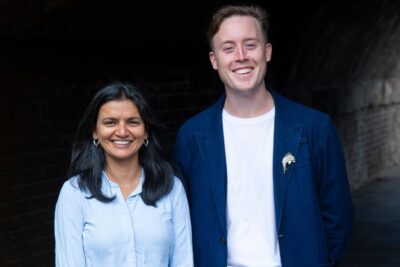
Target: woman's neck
{"type": "Point", "coordinates": [126, 175]}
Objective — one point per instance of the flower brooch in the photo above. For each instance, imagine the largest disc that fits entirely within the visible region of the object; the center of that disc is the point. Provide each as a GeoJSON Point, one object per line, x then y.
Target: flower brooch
{"type": "Point", "coordinates": [287, 160]}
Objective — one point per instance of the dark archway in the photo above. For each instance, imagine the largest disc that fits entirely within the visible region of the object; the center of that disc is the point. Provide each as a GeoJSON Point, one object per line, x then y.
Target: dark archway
{"type": "Point", "coordinates": [338, 56]}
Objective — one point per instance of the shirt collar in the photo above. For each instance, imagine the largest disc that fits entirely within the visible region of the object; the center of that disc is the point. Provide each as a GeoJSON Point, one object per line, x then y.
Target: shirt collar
{"type": "Point", "coordinates": [135, 192]}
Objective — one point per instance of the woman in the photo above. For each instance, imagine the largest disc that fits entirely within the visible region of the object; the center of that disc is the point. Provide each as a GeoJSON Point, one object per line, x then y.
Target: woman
{"type": "Point", "coordinates": [123, 206]}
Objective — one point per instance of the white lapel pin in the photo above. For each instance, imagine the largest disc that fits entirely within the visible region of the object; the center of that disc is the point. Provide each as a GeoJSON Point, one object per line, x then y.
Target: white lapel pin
{"type": "Point", "coordinates": [287, 160]}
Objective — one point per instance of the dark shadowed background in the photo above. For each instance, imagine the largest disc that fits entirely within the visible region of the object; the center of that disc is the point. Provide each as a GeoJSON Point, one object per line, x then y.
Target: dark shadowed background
{"type": "Point", "coordinates": [341, 57]}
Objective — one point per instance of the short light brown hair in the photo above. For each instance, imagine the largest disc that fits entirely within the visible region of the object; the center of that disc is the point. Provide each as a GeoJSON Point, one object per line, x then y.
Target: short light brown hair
{"type": "Point", "coordinates": [225, 12]}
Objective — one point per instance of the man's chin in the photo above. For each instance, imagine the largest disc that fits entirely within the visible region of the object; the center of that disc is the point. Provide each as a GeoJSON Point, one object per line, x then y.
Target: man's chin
{"type": "Point", "coordinates": [244, 90]}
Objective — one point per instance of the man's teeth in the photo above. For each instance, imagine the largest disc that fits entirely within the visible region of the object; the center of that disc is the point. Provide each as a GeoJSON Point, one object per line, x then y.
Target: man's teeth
{"type": "Point", "coordinates": [243, 71]}
{"type": "Point", "coordinates": [121, 142]}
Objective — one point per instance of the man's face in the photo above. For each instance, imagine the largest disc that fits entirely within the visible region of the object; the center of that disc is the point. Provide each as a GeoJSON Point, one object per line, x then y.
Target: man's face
{"type": "Point", "coordinates": [240, 55]}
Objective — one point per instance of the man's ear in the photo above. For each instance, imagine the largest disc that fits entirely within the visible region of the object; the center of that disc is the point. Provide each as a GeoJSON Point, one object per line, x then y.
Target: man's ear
{"type": "Point", "coordinates": [213, 60]}
{"type": "Point", "coordinates": [268, 51]}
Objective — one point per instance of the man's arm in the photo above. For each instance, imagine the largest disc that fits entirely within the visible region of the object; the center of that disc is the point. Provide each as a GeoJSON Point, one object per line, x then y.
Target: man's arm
{"type": "Point", "coordinates": [181, 157]}
{"type": "Point", "coordinates": [334, 193]}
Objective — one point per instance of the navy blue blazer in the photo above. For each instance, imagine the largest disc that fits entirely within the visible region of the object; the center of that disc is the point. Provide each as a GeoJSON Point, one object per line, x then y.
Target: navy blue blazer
{"type": "Point", "coordinates": [312, 197]}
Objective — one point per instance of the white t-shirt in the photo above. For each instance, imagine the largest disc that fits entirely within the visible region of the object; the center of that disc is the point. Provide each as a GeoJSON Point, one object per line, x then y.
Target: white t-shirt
{"type": "Point", "coordinates": [252, 236]}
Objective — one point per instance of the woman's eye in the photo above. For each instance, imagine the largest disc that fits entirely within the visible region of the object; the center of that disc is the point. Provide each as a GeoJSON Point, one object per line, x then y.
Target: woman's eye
{"type": "Point", "coordinates": [134, 122]}
{"type": "Point", "coordinates": [109, 123]}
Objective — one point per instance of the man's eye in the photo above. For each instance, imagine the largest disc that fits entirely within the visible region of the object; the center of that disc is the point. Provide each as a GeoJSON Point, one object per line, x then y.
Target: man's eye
{"type": "Point", "coordinates": [228, 49]}
{"type": "Point", "coordinates": [251, 45]}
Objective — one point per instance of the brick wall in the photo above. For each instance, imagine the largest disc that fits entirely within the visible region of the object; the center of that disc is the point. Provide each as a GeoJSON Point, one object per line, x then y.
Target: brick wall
{"type": "Point", "coordinates": [369, 105]}
{"type": "Point", "coordinates": [368, 140]}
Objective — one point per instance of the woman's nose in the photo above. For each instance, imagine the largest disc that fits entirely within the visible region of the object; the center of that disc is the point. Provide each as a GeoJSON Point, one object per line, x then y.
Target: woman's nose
{"type": "Point", "coordinates": [121, 130]}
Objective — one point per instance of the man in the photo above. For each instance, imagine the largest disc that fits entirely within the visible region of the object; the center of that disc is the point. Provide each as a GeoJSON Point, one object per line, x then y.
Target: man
{"type": "Point", "coordinates": [266, 177]}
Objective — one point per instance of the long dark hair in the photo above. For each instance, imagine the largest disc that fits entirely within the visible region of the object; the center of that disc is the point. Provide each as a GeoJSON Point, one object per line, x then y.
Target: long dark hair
{"type": "Point", "coordinates": [88, 161]}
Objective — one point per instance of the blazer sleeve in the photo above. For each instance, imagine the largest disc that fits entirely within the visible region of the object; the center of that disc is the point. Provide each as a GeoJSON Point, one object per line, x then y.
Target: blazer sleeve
{"type": "Point", "coordinates": [334, 193]}
{"type": "Point", "coordinates": [181, 155]}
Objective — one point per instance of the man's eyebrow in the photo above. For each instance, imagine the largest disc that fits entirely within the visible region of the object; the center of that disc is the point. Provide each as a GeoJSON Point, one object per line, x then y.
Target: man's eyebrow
{"type": "Point", "coordinates": [227, 42]}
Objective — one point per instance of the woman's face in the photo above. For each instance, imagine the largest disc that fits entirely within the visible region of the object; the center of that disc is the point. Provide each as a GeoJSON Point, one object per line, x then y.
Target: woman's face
{"type": "Point", "coordinates": [120, 130]}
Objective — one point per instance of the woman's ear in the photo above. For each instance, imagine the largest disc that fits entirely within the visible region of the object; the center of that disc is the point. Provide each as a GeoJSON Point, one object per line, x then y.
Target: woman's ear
{"type": "Point", "coordinates": [94, 134]}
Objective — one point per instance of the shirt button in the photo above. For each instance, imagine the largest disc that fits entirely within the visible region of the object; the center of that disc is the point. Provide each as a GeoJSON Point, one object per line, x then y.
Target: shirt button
{"type": "Point", "coordinates": [281, 236]}
{"type": "Point", "coordinates": [222, 240]}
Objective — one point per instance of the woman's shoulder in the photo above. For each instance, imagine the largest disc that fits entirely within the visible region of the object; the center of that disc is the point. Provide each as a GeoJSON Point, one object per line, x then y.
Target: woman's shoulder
{"type": "Point", "coordinates": [71, 186]}
{"type": "Point", "coordinates": [177, 188]}
{"type": "Point", "coordinates": [177, 183]}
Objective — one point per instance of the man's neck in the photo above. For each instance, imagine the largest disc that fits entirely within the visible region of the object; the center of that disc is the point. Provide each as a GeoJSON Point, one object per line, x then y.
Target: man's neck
{"type": "Point", "coordinates": [248, 106]}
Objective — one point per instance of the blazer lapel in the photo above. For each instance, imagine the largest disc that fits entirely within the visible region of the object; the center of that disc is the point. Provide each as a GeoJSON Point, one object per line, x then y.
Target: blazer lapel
{"type": "Point", "coordinates": [287, 138]}
{"type": "Point", "coordinates": [212, 151]}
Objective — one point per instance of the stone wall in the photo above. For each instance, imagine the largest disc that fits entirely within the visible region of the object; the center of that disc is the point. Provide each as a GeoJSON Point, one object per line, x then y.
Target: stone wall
{"type": "Point", "coordinates": [349, 66]}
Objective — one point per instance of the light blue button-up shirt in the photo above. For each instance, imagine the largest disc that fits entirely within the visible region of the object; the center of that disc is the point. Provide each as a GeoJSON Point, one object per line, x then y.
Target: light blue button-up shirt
{"type": "Point", "coordinates": [123, 232]}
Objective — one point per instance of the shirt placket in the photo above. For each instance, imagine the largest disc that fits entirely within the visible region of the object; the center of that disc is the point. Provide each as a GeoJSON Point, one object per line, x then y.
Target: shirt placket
{"type": "Point", "coordinates": [130, 204]}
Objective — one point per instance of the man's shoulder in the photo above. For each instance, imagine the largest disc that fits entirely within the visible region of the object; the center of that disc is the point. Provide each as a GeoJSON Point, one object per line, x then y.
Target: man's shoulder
{"type": "Point", "coordinates": [204, 119]}
{"type": "Point", "coordinates": [298, 111]}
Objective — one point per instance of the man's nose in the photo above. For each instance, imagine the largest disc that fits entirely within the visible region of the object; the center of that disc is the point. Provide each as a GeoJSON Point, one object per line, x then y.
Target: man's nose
{"type": "Point", "coordinates": [241, 54]}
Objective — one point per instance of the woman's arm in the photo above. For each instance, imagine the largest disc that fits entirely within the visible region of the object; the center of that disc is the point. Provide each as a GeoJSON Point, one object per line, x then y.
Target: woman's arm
{"type": "Point", "coordinates": [68, 227]}
{"type": "Point", "coordinates": [183, 251]}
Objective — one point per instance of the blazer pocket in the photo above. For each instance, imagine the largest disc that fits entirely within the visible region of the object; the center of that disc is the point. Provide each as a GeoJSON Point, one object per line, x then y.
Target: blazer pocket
{"type": "Point", "coordinates": [330, 264]}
